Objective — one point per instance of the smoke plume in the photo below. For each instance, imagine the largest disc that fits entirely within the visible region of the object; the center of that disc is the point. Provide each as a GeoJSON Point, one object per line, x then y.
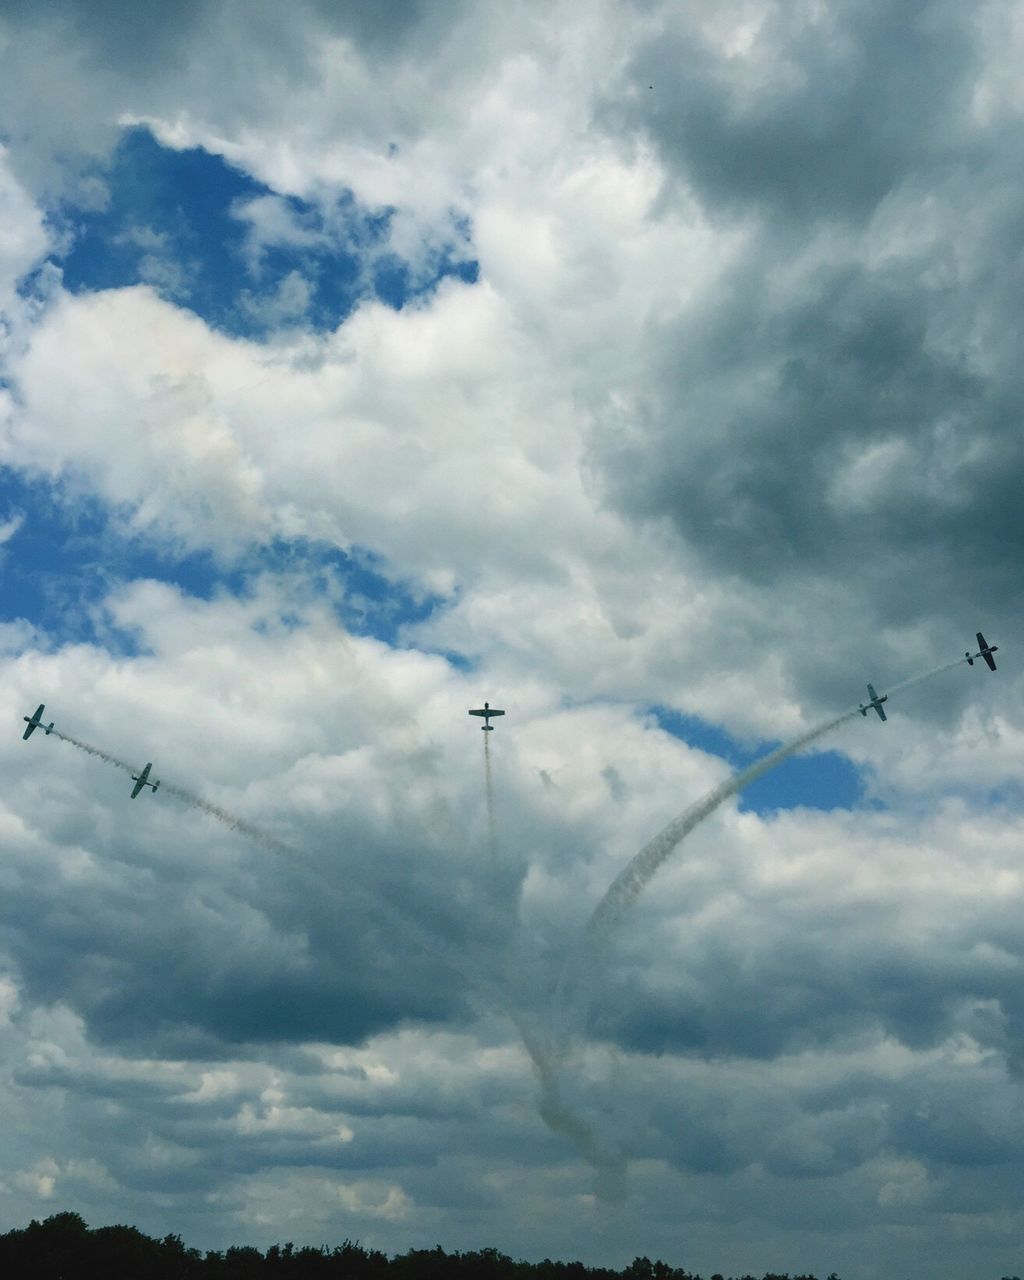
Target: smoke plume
{"type": "Point", "coordinates": [638, 873]}
{"type": "Point", "coordinates": [492, 830]}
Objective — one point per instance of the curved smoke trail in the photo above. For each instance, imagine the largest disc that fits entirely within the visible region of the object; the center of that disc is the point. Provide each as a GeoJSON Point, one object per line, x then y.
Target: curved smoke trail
{"type": "Point", "coordinates": [619, 897]}
{"type": "Point", "coordinates": [606, 1158]}
{"type": "Point", "coordinates": [607, 1161]}
{"type": "Point", "coordinates": [638, 873]}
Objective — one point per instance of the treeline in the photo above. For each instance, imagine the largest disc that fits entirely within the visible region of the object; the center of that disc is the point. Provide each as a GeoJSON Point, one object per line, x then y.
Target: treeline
{"type": "Point", "coordinates": [64, 1248]}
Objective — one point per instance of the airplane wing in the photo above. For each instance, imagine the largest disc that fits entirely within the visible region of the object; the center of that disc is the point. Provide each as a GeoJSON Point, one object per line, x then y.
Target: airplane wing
{"type": "Point", "coordinates": [142, 780]}
{"type": "Point", "coordinates": [985, 652]}
{"type": "Point", "coordinates": [35, 721]}
{"type": "Point", "coordinates": [878, 708]}
{"type": "Point", "coordinates": [871, 692]}
{"type": "Point", "coordinates": [497, 713]}
{"type": "Point", "coordinates": [482, 713]}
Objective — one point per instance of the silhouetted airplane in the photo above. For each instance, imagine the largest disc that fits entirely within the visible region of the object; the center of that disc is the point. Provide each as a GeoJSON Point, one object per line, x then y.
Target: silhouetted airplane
{"type": "Point", "coordinates": [985, 651]}
{"type": "Point", "coordinates": [486, 711]}
{"type": "Point", "coordinates": [142, 780]}
{"type": "Point", "coordinates": [875, 702]}
{"type": "Point", "coordinates": [36, 722]}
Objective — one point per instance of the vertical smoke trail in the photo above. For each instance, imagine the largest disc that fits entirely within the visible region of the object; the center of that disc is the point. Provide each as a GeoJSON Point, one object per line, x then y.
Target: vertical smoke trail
{"type": "Point", "coordinates": [492, 829]}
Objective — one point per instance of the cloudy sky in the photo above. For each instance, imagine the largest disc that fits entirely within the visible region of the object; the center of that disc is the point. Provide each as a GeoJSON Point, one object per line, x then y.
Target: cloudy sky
{"type": "Point", "coordinates": [651, 370]}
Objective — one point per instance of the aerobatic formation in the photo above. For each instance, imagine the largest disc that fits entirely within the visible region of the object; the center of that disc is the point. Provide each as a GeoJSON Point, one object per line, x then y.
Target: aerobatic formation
{"type": "Point", "coordinates": [548, 1051]}
{"type": "Point", "coordinates": [487, 712]}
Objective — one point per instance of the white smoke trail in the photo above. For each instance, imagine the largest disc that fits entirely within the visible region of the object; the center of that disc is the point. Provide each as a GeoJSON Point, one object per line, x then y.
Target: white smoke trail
{"type": "Point", "coordinates": [395, 920]}
{"type": "Point", "coordinates": [492, 829]}
{"type": "Point", "coordinates": [638, 873]}
{"type": "Point", "coordinates": [607, 1159]}
{"type": "Point", "coordinates": [254, 833]}
{"type": "Point", "coordinates": [94, 751]}
{"type": "Point", "coordinates": [925, 675]}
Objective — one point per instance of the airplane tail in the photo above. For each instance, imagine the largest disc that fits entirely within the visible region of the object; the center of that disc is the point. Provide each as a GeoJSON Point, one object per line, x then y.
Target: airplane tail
{"type": "Point", "coordinates": [49, 728]}
{"type": "Point", "coordinates": [155, 786]}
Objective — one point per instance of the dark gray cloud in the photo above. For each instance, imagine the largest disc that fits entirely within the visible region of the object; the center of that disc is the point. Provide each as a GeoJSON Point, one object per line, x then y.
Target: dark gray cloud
{"type": "Point", "coordinates": [844, 407]}
{"type": "Point", "coordinates": [277, 954]}
{"type": "Point", "coordinates": [405, 26]}
{"type": "Point", "coordinates": [831, 432]}
{"type": "Point", "coordinates": [150, 37]}
{"type": "Point", "coordinates": [69, 70]}
{"type": "Point", "coordinates": [832, 113]}
{"type": "Point", "coordinates": [780, 983]}
{"type": "Point", "coordinates": [139, 38]}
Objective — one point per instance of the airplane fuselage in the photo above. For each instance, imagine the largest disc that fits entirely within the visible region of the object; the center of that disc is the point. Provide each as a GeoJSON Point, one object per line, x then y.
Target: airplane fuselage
{"type": "Point", "coordinates": [36, 722]}
{"type": "Point", "coordinates": [142, 780]}
{"type": "Point", "coordinates": [486, 711]}
{"type": "Point", "coordinates": [876, 702]}
{"type": "Point", "coordinates": [984, 651]}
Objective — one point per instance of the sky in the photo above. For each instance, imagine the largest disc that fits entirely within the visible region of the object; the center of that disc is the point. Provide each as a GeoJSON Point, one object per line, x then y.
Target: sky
{"type": "Point", "coordinates": [648, 370]}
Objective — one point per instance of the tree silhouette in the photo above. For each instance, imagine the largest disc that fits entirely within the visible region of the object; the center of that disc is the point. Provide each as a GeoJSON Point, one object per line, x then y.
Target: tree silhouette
{"type": "Point", "coordinates": [64, 1248]}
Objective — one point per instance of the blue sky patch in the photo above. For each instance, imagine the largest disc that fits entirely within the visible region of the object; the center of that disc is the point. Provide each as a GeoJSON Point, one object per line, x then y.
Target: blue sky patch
{"type": "Point", "coordinates": [822, 780]}
{"type": "Point", "coordinates": [247, 260]}
{"type": "Point", "coordinates": [67, 555]}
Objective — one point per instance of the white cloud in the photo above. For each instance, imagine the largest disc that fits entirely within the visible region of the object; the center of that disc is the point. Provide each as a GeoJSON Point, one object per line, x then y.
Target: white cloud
{"type": "Point", "coordinates": [805, 1013]}
{"type": "Point", "coordinates": [23, 243]}
{"type": "Point", "coordinates": [289, 303]}
{"type": "Point", "coordinates": [40, 1181]}
{"type": "Point", "coordinates": [10, 527]}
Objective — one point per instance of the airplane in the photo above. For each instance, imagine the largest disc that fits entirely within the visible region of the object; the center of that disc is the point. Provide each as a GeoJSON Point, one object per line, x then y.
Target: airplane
{"type": "Point", "coordinates": [142, 780]}
{"type": "Point", "coordinates": [985, 651]}
{"type": "Point", "coordinates": [486, 712]}
{"type": "Point", "coordinates": [36, 722]}
{"type": "Point", "coordinates": [875, 702]}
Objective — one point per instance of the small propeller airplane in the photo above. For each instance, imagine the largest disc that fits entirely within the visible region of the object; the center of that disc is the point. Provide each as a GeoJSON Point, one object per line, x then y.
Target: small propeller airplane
{"type": "Point", "coordinates": [487, 711]}
{"type": "Point", "coordinates": [875, 702]}
{"type": "Point", "coordinates": [142, 780]}
{"type": "Point", "coordinates": [36, 722]}
{"type": "Point", "coordinates": [984, 651]}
